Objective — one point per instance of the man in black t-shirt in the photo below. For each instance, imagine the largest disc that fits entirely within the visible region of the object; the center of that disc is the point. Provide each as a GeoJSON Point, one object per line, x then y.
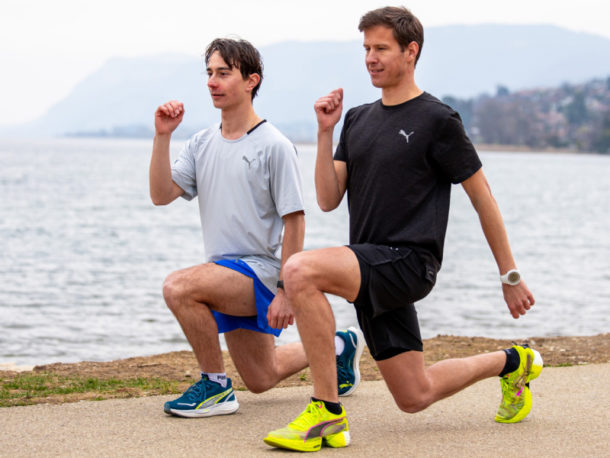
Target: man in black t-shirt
{"type": "Point", "coordinates": [397, 159]}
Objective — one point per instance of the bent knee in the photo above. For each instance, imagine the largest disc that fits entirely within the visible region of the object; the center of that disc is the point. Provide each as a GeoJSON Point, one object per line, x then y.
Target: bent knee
{"type": "Point", "coordinates": [258, 386]}
{"type": "Point", "coordinates": [413, 405]}
{"type": "Point", "coordinates": [297, 273]}
{"type": "Point", "coordinates": [173, 290]}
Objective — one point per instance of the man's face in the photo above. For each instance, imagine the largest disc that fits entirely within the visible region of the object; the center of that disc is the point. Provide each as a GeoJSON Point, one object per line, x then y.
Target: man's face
{"type": "Point", "coordinates": [386, 63]}
{"type": "Point", "coordinates": [227, 87]}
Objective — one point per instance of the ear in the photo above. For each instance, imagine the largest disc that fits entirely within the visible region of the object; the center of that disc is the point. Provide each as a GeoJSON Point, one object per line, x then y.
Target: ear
{"type": "Point", "coordinates": [253, 79]}
{"type": "Point", "coordinates": [411, 51]}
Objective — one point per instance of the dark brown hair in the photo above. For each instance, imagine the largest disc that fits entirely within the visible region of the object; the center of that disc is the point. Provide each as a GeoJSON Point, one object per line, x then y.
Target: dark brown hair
{"type": "Point", "coordinates": [405, 26]}
{"type": "Point", "coordinates": [238, 54]}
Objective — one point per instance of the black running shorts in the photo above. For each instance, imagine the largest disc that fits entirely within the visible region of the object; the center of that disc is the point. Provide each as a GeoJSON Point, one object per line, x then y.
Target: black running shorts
{"type": "Point", "coordinates": [392, 280]}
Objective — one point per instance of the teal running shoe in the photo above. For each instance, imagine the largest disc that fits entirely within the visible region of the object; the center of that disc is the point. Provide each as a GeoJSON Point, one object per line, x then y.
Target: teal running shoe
{"type": "Point", "coordinates": [348, 373]}
{"type": "Point", "coordinates": [204, 399]}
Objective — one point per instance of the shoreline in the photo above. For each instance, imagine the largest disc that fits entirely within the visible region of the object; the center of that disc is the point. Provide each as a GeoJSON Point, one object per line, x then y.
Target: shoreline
{"type": "Point", "coordinates": [500, 148]}
{"type": "Point", "coordinates": [172, 373]}
{"type": "Point", "coordinates": [429, 344]}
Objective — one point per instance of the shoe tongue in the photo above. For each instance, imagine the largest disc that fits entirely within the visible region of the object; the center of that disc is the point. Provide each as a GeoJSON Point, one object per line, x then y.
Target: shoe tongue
{"type": "Point", "coordinates": [315, 406]}
{"type": "Point", "coordinates": [304, 419]}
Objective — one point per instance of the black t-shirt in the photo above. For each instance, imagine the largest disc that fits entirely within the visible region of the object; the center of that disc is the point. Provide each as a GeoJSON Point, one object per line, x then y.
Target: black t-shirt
{"type": "Point", "coordinates": [401, 161]}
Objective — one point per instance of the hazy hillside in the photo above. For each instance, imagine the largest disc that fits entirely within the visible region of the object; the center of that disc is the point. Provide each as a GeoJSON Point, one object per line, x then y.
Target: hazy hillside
{"type": "Point", "coordinates": [569, 116]}
{"type": "Point", "coordinates": [461, 61]}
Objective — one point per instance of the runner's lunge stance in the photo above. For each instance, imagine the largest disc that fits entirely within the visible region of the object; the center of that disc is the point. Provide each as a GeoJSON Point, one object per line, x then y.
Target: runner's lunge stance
{"type": "Point", "coordinates": [397, 158]}
{"type": "Point", "coordinates": [245, 174]}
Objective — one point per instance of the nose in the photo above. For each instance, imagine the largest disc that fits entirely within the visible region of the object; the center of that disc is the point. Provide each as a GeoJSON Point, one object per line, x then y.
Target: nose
{"type": "Point", "coordinates": [370, 57]}
{"type": "Point", "coordinates": [212, 83]}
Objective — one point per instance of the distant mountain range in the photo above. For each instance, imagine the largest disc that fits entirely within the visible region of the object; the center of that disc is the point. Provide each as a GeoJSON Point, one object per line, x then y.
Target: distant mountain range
{"type": "Point", "coordinates": [461, 61]}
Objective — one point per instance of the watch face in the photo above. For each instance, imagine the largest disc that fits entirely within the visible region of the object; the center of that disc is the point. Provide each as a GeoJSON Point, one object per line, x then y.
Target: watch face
{"type": "Point", "coordinates": [514, 277]}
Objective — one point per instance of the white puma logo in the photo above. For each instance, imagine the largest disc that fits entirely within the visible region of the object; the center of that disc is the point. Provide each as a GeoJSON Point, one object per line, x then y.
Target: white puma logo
{"type": "Point", "coordinates": [404, 134]}
{"type": "Point", "coordinates": [247, 161]}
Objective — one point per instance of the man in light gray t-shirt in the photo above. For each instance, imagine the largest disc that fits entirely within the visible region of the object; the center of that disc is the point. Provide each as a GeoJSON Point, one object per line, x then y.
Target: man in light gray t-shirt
{"type": "Point", "coordinates": [245, 175]}
{"type": "Point", "coordinates": [258, 181]}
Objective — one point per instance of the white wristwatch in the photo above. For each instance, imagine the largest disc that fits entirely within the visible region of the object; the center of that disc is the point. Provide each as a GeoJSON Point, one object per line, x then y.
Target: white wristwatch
{"type": "Point", "coordinates": [512, 277]}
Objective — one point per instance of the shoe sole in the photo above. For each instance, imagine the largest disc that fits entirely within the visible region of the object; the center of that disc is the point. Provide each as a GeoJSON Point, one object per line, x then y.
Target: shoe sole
{"type": "Point", "coordinates": [312, 445]}
{"type": "Point", "coordinates": [338, 440]}
{"type": "Point", "coordinates": [226, 408]}
{"type": "Point", "coordinates": [357, 355]}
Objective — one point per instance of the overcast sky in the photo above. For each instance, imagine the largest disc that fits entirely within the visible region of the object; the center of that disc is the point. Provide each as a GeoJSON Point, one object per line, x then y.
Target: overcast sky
{"type": "Point", "coordinates": [47, 46]}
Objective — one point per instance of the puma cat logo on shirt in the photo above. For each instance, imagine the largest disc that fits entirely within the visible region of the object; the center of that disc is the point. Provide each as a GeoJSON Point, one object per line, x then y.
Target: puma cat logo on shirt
{"type": "Point", "coordinates": [404, 134]}
{"type": "Point", "coordinates": [247, 161]}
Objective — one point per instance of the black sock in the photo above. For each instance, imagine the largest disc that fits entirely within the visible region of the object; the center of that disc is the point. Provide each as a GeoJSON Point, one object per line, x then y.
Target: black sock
{"type": "Point", "coordinates": [512, 361]}
{"type": "Point", "coordinates": [332, 407]}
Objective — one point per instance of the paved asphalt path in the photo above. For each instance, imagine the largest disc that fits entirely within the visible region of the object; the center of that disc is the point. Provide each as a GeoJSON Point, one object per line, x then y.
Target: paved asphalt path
{"type": "Point", "coordinates": [570, 417]}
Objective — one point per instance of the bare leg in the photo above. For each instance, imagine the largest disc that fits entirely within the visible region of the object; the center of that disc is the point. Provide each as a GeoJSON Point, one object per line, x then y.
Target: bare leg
{"type": "Point", "coordinates": [259, 362]}
{"type": "Point", "coordinates": [428, 385]}
{"type": "Point", "coordinates": [191, 294]}
{"type": "Point", "coordinates": [335, 270]}
{"type": "Point", "coordinates": [307, 276]}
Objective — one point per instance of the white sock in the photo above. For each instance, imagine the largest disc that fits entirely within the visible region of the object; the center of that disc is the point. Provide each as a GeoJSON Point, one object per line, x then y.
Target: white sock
{"type": "Point", "coordinates": [339, 345]}
{"type": "Point", "coordinates": [218, 377]}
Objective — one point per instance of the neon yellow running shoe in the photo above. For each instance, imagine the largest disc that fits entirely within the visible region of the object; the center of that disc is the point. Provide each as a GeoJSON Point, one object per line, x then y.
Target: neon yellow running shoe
{"type": "Point", "coordinates": [314, 426]}
{"type": "Point", "coordinates": [516, 395]}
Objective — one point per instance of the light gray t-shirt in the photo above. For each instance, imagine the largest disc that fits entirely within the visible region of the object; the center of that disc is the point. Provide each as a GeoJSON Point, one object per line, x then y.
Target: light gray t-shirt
{"type": "Point", "coordinates": [244, 187]}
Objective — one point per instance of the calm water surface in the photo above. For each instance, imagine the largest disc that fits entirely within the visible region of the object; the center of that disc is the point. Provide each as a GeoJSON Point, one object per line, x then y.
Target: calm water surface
{"type": "Point", "coordinates": [83, 252]}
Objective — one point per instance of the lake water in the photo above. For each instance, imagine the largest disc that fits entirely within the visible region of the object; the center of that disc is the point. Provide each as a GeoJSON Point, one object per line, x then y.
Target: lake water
{"type": "Point", "coordinates": [83, 252]}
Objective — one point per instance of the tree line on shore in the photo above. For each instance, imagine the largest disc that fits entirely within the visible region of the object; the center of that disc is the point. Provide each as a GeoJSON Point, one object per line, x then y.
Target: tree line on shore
{"type": "Point", "coordinates": [573, 116]}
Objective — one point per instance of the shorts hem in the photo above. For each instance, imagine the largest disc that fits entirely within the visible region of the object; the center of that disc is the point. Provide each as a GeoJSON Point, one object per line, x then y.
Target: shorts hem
{"type": "Point", "coordinates": [391, 352]}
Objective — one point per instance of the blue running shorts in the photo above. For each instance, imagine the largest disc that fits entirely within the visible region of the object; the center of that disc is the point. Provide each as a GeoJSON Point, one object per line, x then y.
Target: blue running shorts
{"type": "Point", "coordinates": [262, 296]}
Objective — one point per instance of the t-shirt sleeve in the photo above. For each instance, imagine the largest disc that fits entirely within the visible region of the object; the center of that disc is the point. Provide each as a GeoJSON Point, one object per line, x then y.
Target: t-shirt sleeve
{"type": "Point", "coordinates": [183, 170]}
{"type": "Point", "coordinates": [286, 186]}
{"type": "Point", "coordinates": [454, 153]}
{"type": "Point", "coordinates": [341, 152]}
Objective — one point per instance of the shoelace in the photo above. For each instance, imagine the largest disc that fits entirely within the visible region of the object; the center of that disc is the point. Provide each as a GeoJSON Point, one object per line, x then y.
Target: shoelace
{"type": "Point", "coordinates": [196, 390]}
{"type": "Point", "coordinates": [509, 395]}
{"type": "Point", "coordinates": [507, 390]}
{"type": "Point", "coordinates": [307, 417]}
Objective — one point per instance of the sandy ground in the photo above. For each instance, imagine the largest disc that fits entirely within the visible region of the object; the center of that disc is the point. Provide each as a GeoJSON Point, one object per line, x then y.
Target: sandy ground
{"type": "Point", "coordinates": [570, 418]}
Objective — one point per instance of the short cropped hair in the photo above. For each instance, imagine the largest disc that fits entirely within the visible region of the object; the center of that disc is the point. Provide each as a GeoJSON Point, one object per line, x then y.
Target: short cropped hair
{"type": "Point", "coordinates": [238, 54]}
{"type": "Point", "coordinates": [405, 26]}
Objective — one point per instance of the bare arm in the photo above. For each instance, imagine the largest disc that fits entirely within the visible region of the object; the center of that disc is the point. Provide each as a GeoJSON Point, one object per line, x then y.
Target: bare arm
{"type": "Point", "coordinates": [294, 235]}
{"type": "Point", "coordinates": [330, 176]}
{"type": "Point", "coordinates": [518, 298]}
{"type": "Point", "coordinates": [280, 313]}
{"type": "Point", "coordinates": [163, 190]}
